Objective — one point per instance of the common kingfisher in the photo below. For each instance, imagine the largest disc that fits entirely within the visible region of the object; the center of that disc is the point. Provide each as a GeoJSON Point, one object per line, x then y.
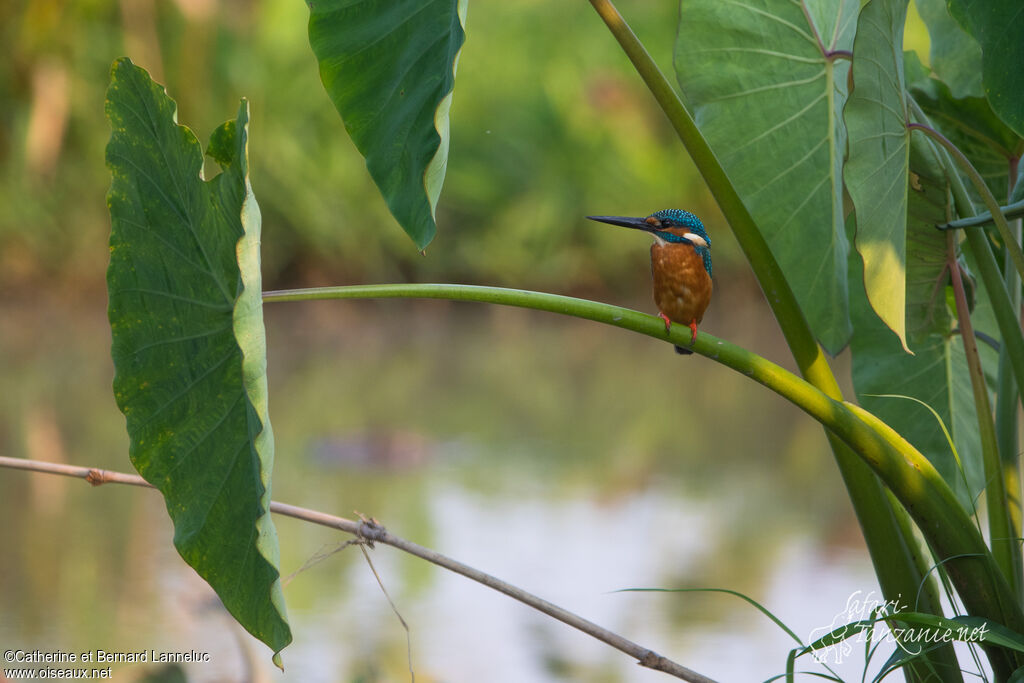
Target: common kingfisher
{"type": "Point", "coordinates": [680, 264]}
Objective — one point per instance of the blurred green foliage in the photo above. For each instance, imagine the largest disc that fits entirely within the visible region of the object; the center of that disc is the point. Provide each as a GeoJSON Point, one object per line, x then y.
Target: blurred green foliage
{"type": "Point", "coordinates": [549, 124]}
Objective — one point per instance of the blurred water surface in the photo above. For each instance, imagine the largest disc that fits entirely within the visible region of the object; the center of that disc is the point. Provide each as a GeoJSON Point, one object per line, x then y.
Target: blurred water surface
{"type": "Point", "coordinates": [568, 458]}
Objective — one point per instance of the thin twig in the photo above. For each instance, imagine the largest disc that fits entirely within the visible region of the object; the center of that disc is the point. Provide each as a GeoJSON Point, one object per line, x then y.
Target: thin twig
{"type": "Point", "coordinates": [318, 557]}
{"type": "Point", "coordinates": [370, 532]}
{"type": "Point", "coordinates": [394, 608]}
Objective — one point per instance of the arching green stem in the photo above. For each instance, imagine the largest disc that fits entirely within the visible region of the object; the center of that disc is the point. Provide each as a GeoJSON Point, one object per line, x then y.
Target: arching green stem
{"type": "Point", "coordinates": [912, 479]}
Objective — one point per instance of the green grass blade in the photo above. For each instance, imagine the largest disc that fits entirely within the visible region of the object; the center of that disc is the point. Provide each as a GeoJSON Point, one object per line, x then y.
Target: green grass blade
{"type": "Point", "coordinates": [945, 432]}
{"type": "Point", "coordinates": [761, 608]}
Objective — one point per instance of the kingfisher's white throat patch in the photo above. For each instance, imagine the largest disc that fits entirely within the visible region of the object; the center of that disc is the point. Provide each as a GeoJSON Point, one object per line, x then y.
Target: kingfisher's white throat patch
{"type": "Point", "coordinates": [696, 239]}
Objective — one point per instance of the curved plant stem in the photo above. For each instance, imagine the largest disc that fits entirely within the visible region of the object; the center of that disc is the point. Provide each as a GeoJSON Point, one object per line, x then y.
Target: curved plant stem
{"type": "Point", "coordinates": [880, 522]}
{"type": "Point", "coordinates": [912, 478]}
{"type": "Point", "coordinates": [369, 531]}
{"type": "Point", "coordinates": [1007, 405]}
{"type": "Point", "coordinates": [1000, 533]}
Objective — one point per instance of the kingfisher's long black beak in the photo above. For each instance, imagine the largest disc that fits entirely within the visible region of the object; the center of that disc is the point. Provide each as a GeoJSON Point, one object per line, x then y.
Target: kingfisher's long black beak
{"type": "Point", "coordinates": [626, 222]}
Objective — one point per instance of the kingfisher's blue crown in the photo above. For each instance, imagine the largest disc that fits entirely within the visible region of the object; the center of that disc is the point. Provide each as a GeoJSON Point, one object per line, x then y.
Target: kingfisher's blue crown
{"type": "Point", "coordinates": [682, 219]}
{"type": "Point", "coordinates": [685, 219]}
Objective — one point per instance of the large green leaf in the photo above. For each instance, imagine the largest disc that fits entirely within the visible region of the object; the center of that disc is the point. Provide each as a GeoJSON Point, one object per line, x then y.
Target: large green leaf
{"type": "Point", "coordinates": [998, 26]}
{"type": "Point", "coordinates": [954, 55]}
{"type": "Point", "coordinates": [188, 342]}
{"type": "Point", "coordinates": [937, 372]}
{"type": "Point", "coordinates": [389, 68]}
{"type": "Point", "coordinates": [766, 81]}
{"type": "Point", "coordinates": [876, 172]}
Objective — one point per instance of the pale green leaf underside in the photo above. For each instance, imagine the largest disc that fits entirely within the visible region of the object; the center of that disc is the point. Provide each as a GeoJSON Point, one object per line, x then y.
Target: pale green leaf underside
{"type": "Point", "coordinates": [389, 69]}
{"type": "Point", "coordinates": [928, 204]}
{"type": "Point", "coordinates": [188, 342]}
{"type": "Point", "coordinates": [877, 170]}
{"type": "Point", "coordinates": [766, 90]}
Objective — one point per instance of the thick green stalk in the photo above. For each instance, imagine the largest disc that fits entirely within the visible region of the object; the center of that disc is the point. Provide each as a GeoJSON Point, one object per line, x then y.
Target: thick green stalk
{"type": "Point", "coordinates": [1007, 400]}
{"type": "Point", "coordinates": [944, 662]}
{"type": "Point", "coordinates": [928, 593]}
{"type": "Point", "coordinates": [909, 475]}
{"type": "Point", "coordinates": [894, 564]}
{"type": "Point", "coordinates": [996, 504]}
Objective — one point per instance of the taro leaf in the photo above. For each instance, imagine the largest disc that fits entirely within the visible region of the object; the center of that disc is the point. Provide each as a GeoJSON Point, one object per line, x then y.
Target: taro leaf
{"type": "Point", "coordinates": [876, 171]}
{"type": "Point", "coordinates": [998, 26]}
{"type": "Point", "coordinates": [766, 82]}
{"type": "Point", "coordinates": [937, 375]}
{"type": "Point", "coordinates": [955, 56]}
{"type": "Point", "coordinates": [937, 372]}
{"type": "Point", "coordinates": [389, 68]}
{"type": "Point", "coordinates": [927, 274]}
{"type": "Point", "coordinates": [968, 122]}
{"type": "Point", "coordinates": [188, 342]}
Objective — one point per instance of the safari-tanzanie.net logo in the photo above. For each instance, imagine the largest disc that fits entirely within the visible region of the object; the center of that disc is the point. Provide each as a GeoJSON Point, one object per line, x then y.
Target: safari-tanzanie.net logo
{"type": "Point", "coordinates": [868, 617]}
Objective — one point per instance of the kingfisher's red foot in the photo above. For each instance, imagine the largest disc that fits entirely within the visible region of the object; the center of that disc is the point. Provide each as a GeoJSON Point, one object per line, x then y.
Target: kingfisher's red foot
{"type": "Point", "coordinates": [668, 323]}
{"type": "Point", "coordinates": [693, 328]}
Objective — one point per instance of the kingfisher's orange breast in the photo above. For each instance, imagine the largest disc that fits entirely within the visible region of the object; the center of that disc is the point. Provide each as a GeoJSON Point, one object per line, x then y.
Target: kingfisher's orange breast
{"type": "Point", "coordinates": [682, 286]}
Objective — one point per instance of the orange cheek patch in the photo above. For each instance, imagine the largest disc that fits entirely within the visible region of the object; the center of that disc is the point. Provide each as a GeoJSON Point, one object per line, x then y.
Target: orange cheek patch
{"type": "Point", "coordinates": [680, 232]}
